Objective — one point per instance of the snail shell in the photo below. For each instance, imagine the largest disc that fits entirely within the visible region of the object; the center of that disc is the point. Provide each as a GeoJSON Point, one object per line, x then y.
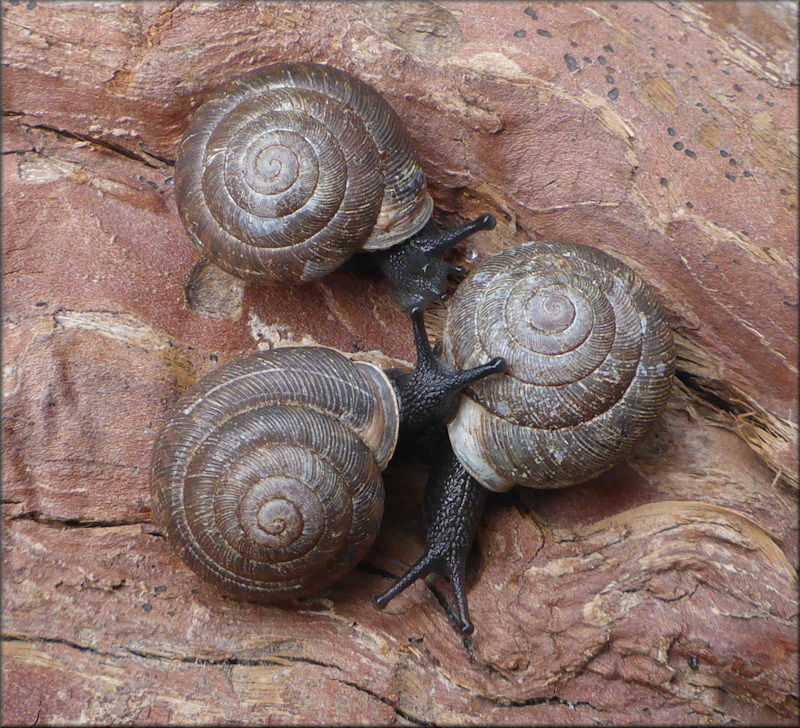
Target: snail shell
{"type": "Point", "coordinates": [590, 364]}
{"type": "Point", "coordinates": [288, 170]}
{"type": "Point", "coordinates": [267, 476]}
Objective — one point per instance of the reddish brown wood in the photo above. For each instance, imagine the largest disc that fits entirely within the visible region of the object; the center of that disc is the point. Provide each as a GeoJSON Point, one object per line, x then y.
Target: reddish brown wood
{"type": "Point", "coordinates": [664, 591]}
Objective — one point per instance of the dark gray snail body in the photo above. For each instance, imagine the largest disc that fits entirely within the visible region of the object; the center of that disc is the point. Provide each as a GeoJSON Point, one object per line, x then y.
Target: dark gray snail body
{"type": "Point", "coordinates": [568, 305]}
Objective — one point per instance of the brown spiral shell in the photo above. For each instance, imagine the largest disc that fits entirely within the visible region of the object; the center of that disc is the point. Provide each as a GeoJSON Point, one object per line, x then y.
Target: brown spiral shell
{"type": "Point", "coordinates": [590, 364]}
{"type": "Point", "coordinates": [288, 170]}
{"type": "Point", "coordinates": [267, 476]}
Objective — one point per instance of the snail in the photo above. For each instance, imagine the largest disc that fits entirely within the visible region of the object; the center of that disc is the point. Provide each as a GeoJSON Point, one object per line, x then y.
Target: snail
{"type": "Point", "coordinates": [590, 362]}
{"type": "Point", "coordinates": [289, 170]}
{"type": "Point", "coordinates": [266, 478]}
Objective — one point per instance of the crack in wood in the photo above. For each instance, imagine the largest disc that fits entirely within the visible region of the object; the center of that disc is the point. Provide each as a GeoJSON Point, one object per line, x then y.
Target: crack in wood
{"type": "Point", "coordinates": [143, 158]}
{"type": "Point", "coordinates": [402, 713]}
{"type": "Point", "coordinates": [62, 523]}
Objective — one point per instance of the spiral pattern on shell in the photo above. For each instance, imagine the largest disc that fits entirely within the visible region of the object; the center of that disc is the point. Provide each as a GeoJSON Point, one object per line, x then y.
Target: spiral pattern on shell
{"type": "Point", "coordinates": [590, 364]}
{"type": "Point", "coordinates": [289, 169]}
{"type": "Point", "coordinates": [267, 478]}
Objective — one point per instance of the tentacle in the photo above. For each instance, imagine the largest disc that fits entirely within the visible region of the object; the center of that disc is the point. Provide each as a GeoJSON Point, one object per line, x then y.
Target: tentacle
{"type": "Point", "coordinates": [439, 243]}
{"type": "Point", "coordinates": [426, 356]}
{"type": "Point", "coordinates": [421, 568]}
{"type": "Point", "coordinates": [467, 376]}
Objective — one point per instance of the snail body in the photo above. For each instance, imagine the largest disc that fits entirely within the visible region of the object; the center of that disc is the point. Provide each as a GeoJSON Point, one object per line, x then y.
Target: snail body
{"type": "Point", "coordinates": [288, 170]}
{"type": "Point", "coordinates": [589, 366]}
{"type": "Point", "coordinates": [590, 362]}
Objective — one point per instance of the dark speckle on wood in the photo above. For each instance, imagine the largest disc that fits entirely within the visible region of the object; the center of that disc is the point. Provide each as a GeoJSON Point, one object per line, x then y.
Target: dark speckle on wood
{"type": "Point", "coordinates": [608, 48]}
{"type": "Point", "coordinates": [572, 64]}
{"type": "Point", "coordinates": [609, 79]}
{"type": "Point", "coordinates": [613, 93]}
{"type": "Point", "coordinates": [531, 13]}
{"type": "Point", "coordinates": [671, 131]}
{"type": "Point", "coordinates": [678, 145]}
{"type": "Point", "coordinates": [664, 181]}
{"type": "Point", "coordinates": [148, 182]}
{"type": "Point", "coordinates": [602, 60]}
{"type": "Point", "coordinates": [544, 33]}
{"type": "Point", "coordinates": [520, 33]}
{"type": "Point", "coordinates": [691, 154]}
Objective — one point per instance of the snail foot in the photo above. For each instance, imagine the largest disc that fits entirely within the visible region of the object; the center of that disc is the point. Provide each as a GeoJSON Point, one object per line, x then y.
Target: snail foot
{"type": "Point", "coordinates": [415, 269]}
{"type": "Point", "coordinates": [453, 505]}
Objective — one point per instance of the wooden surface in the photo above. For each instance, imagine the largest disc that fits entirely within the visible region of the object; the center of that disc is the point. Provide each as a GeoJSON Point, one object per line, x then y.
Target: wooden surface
{"type": "Point", "coordinates": [664, 592]}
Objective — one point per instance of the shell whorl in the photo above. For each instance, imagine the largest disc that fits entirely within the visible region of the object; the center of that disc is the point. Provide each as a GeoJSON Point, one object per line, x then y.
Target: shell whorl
{"type": "Point", "coordinates": [267, 478]}
{"type": "Point", "coordinates": [289, 169]}
{"type": "Point", "coordinates": [590, 364]}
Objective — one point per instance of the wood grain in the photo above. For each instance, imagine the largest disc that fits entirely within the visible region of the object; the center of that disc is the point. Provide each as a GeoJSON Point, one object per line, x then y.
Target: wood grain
{"type": "Point", "coordinates": [663, 592]}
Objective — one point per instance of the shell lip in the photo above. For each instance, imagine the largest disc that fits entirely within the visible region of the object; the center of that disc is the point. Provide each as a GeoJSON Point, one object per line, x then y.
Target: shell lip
{"type": "Point", "coordinates": [464, 445]}
{"type": "Point", "coordinates": [396, 225]}
{"type": "Point", "coordinates": [387, 394]}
